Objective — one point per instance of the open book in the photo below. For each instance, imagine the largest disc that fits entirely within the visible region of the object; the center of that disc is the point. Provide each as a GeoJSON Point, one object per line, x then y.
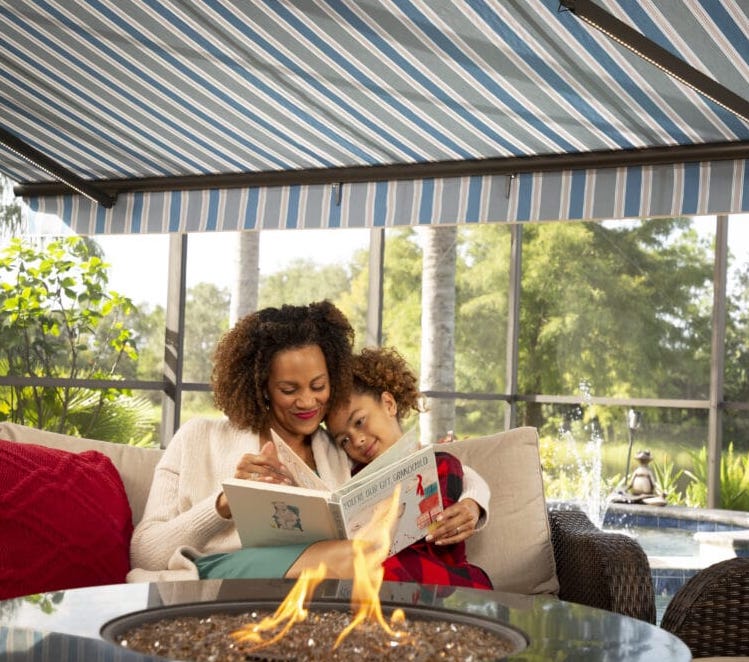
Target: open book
{"type": "Point", "coordinates": [270, 514]}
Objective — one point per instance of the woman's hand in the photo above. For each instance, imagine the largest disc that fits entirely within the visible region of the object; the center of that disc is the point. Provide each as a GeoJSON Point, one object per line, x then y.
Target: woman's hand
{"type": "Point", "coordinates": [265, 467]}
{"type": "Point", "coordinates": [455, 523]}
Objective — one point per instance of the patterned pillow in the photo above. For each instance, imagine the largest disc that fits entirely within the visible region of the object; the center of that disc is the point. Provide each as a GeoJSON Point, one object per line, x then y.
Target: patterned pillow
{"type": "Point", "coordinates": [65, 520]}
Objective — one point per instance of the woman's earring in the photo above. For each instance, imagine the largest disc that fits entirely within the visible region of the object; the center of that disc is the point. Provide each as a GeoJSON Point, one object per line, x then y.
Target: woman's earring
{"type": "Point", "coordinates": [267, 401]}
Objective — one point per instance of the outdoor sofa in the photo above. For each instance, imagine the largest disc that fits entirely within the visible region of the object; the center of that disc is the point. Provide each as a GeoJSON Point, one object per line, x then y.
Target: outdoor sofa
{"type": "Point", "coordinates": [67, 515]}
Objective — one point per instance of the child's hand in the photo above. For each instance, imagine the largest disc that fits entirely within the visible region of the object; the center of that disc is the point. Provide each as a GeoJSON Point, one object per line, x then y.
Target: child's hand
{"type": "Point", "coordinates": [456, 523]}
{"type": "Point", "coordinates": [448, 438]}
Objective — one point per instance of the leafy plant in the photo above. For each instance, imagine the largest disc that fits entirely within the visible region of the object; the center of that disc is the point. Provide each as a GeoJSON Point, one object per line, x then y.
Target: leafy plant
{"type": "Point", "coordinates": [126, 418]}
{"type": "Point", "coordinates": [667, 479]}
{"type": "Point", "coordinates": [734, 480]}
{"type": "Point", "coordinates": [58, 320]}
{"type": "Point", "coordinates": [47, 602]}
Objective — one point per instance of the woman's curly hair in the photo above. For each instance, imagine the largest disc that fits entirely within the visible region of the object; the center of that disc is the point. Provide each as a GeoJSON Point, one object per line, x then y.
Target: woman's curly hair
{"type": "Point", "coordinates": [241, 363]}
{"type": "Point", "coordinates": [380, 369]}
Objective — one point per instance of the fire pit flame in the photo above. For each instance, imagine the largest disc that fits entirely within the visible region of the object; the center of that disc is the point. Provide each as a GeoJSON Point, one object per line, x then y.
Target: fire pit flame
{"type": "Point", "coordinates": [292, 608]}
{"type": "Point", "coordinates": [370, 547]}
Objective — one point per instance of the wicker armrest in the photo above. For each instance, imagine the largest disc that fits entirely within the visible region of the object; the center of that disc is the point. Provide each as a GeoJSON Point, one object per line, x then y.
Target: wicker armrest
{"type": "Point", "coordinates": [710, 613]}
{"type": "Point", "coordinates": [605, 570]}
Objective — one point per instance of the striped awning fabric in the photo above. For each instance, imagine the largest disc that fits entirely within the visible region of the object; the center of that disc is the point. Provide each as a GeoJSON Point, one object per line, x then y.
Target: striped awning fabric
{"type": "Point", "coordinates": [636, 192]}
{"type": "Point", "coordinates": [224, 115]}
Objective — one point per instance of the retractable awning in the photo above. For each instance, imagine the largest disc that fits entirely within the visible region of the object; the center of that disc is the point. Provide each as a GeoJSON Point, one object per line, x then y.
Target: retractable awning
{"type": "Point", "coordinates": [154, 116]}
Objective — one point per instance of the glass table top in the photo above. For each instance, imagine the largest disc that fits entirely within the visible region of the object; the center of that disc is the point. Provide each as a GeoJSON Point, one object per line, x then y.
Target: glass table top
{"type": "Point", "coordinates": [67, 624]}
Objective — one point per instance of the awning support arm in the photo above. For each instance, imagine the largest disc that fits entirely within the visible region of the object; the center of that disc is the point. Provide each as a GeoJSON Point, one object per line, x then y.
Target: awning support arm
{"type": "Point", "coordinates": [59, 172]}
{"type": "Point", "coordinates": [647, 49]}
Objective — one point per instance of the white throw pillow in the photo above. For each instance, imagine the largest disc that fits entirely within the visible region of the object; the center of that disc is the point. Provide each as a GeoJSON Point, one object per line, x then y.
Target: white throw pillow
{"type": "Point", "coordinates": [515, 547]}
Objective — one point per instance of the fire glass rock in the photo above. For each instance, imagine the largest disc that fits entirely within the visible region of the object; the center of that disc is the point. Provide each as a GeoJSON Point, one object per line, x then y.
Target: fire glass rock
{"type": "Point", "coordinates": [207, 639]}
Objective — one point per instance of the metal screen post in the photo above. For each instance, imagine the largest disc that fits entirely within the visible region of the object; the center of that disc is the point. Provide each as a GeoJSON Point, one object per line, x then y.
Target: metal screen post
{"type": "Point", "coordinates": [174, 337]}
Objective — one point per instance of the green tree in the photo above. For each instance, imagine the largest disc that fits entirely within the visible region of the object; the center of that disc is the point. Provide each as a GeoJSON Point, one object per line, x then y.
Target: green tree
{"type": "Point", "coordinates": [302, 282]}
{"type": "Point", "coordinates": [481, 324]}
{"type": "Point", "coordinates": [481, 298]}
{"type": "Point", "coordinates": [736, 424]}
{"type": "Point", "coordinates": [353, 303]}
{"type": "Point", "coordinates": [59, 320]}
{"type": "Point", "coordinates": [148, 324]}
{"type": "Point", "coordinates": [401, 324]}
{"type": "Point", "coordinates": [206, 319]}
{"type": "Point", "coordinates": [401, 317]}
{"type": "Point", "coordinates": [483, 282]}
{"type": "Point", "coordinates": [625, 308]}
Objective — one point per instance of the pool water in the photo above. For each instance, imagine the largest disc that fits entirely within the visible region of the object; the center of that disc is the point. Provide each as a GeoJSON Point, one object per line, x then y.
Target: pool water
{"type": "Point", "coordinates": [665, 542]}
{"type": "Point", "coordinates": [667, 535]}
{"type": "Point", "coordinates": [668, 545]}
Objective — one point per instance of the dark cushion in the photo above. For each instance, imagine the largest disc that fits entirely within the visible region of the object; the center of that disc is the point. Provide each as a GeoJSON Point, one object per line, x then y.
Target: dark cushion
{"type": "Point", "coordinates": [65, 520]}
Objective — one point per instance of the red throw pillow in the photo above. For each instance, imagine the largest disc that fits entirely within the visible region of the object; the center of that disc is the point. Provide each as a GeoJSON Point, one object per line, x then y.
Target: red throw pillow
{"type": "Point", "coordinates": [65, 520]}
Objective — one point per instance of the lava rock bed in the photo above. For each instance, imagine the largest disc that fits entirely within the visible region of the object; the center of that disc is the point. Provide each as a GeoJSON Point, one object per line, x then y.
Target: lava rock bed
{"type": "Point", "coordinates": [208, 639]}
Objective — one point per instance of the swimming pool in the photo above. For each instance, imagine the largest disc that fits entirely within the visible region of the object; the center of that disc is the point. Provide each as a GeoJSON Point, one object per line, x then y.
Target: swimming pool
{"type": "Point", "coordinates": [679, 541]}
{"type": "Point", "coordinates": [677, 531]}
{"type": "Point", "coordinates": [663, 542]}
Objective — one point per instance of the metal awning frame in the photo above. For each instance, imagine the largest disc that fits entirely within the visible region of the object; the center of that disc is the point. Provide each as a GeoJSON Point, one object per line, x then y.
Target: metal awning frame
{"type": "Point", "coordinates": [111, 188]}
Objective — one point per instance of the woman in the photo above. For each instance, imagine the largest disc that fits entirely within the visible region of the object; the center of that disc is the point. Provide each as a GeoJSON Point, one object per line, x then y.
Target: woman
{"type": "Point", "coordinates": [385, 391]}
{"type": "Point", "coordinates": [275, 375]}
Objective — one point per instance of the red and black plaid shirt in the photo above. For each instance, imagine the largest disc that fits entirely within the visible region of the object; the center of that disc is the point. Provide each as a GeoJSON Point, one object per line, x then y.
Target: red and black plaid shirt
{"type": "Point", "coordinates": [427, 563]}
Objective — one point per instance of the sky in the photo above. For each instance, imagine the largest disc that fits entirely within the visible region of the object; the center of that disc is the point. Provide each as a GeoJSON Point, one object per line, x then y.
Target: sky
{"type": "Point", "coordinates": [212, 258]}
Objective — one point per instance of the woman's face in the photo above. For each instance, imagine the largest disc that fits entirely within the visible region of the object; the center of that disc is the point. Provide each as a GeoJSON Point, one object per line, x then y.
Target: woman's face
{"type": "Point", "coordinates": [298, 391]}
{"type": "Point", "coordinates": [366, 427]}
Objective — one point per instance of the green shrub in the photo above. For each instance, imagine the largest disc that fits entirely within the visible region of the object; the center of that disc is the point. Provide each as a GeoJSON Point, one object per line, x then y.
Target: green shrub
{"type": "Point", "coordinates": [59, 321]}
{"type": "Point", "coordinates": [667, 479]}
{"type": "Point", "coordinates": [734, 480]}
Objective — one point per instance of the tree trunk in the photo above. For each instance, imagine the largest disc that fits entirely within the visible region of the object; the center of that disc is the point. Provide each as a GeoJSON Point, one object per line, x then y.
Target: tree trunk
{"type": "Point", "coordinates": [12, 222]}
{"type": "Point", "coordinates": [244, 294]}
{"type": "Point", "coordinates": [438, 329]}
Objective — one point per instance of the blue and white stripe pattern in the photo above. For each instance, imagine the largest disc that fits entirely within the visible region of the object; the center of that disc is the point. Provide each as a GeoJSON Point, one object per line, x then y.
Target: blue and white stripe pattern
{"type": "Point", "coordinates": [632, 192]}
{"type": "Point", "coordinates": [26, 645]}
{"type": "Point", "coordinates": [122, 89]}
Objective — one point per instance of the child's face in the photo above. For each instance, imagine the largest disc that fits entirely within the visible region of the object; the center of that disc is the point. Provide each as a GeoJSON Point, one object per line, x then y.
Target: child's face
{"type": "Point", "coordinates": [366, 427]}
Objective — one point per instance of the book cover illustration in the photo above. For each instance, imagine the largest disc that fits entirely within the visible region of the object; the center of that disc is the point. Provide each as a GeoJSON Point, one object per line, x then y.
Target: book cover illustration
{"type": "Point", "coordinates": [286, 516]}
{"type": "Point", "coordinates": [266, 514]}
{"type": "Point", "coordinates": [420, 500]}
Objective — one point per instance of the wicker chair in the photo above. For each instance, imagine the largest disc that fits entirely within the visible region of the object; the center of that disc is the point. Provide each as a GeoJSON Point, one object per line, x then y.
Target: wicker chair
{"type": "Point", "coordinates": [526, 541]}
{"type": "Point", "coordinates": [710, 613]}
{"type": "Point", "coordinates": [605, 570]}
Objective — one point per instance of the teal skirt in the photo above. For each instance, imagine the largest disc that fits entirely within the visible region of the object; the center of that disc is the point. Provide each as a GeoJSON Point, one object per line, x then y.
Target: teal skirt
{"type": "Point", "coordinates": [250, 563]}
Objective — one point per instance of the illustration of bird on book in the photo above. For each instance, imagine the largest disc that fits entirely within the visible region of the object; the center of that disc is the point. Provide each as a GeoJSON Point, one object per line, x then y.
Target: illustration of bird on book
{"type": "Point", "coordinates": [430, 505]}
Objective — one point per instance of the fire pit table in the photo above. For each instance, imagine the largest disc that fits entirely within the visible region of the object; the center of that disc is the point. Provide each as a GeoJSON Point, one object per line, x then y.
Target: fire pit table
{"type": "Point", "coordinates": [72, 625]}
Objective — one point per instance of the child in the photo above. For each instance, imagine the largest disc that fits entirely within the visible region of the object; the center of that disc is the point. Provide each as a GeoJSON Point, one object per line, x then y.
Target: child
{"type": "Point", "coordinates": [385, 391]}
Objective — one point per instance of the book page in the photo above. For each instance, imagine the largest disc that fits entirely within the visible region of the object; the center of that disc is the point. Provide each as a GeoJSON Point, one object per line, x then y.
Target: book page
{"type": "Point", "coordinates": [405, 446]}
{"type": "Point", "coordinates": [271, 514]}
{"type": "Point", "coordinates": [305, 477]}
{"type": "Point", "coordinates": [274, 514]}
